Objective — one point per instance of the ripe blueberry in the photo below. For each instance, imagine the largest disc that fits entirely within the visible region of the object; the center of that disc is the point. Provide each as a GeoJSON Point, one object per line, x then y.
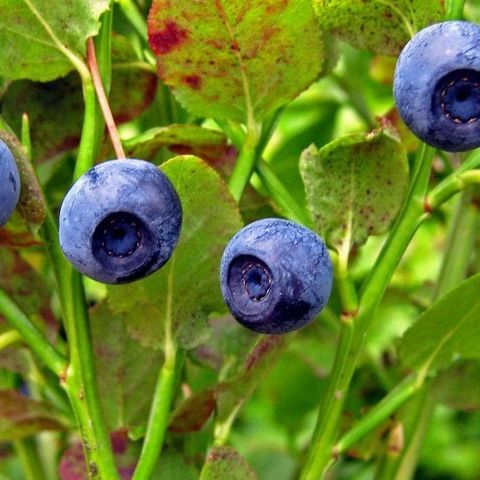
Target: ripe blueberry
{"type": "Point", "coordinates": [437, 85]}
{"type": "Point", "coordinates": [120, 221]}
{"type": "Point", "coordinates": [275, 276]}
{"type": "Point", "coordinates": [9, 183]}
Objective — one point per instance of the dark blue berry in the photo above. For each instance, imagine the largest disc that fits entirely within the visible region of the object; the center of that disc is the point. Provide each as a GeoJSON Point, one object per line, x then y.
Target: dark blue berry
{"type": "Point", "coordinates": [120, 221]}
{"type": "Point", "coordinates": [275, 276]}
{"type": "Point", "coordinates": [437, 85]}
{"type": "Point", "coordinates": [9, 184]}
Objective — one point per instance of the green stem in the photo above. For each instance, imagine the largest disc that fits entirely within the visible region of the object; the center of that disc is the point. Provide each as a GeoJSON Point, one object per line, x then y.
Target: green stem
{"type": "Point", "coordinates": [32, 336]}
{"type": "Point", "coordinates": [158, 420]}
{"type": "Point", "coordinates": [245, 164]}
{"type": "Point", "coordinates": [452, 185]}
{"type": "Point", "coordinates": [281, 195]}
{"type": "Point", "coordinates": [381, 412]}
{"type": "Point", "coordinates": [414, 423]}
{"type": "Point", "coordinates": [463, 232]}
{"type": "Point", "coordinates": [27, 452]}
{"type": "Point", "coordinates": [351, 341]}
{"type": "Point", "coordinates": [454, 10]}
{"type": "Point", "coordinates": [163, 397]}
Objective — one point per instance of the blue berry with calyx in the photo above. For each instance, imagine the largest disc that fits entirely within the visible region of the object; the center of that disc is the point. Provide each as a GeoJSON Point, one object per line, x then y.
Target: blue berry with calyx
{"type": "Point", "coordinates": [120, 221]}
{"type": "Point", "coordinates": [275, 275]}
{"type": "Point", "coordinates": [9, 183]}
{"type": "Point", "coordinates": [437, 85]}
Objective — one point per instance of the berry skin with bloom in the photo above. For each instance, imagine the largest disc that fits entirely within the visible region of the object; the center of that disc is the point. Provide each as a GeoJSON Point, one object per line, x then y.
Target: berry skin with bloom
{"type": "Point", "coordinates": [9, 183]}
{"type": "Point", "coordinates": [437, 85]}
{"type": "Point", "coordinates": [120, 221]}
{"type": "Point", "coordinates": [275, 275]}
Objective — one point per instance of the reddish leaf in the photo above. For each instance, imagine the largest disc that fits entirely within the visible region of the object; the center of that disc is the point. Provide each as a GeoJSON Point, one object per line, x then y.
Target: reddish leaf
{"type": "Point", "coordinates": [22, 417]}
{"type": "Point", "coordinates": [192, 414]}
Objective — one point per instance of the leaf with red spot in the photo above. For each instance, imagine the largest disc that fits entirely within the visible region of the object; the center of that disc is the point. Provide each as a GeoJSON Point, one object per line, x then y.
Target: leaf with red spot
{"type": "Point", "coordinates": [235, 59]}
{"type": "Point", "coordinates": [226, 462]}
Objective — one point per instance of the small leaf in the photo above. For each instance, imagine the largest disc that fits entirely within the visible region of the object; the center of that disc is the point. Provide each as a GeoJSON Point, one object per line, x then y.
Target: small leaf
{"type": "Point", "coordinates": [36, 38]}
{"type": "Point", "coordinates": [189, 281]}
{"type": "Point", "coordinates": [447, 331]}
{"type": "Point", "coordinates": [127, 371]}
{"type": "Point", "coordinates": [22, 417]}
{"type": "Point", "coordinates": [235, 59]}
{"type": "Point", "coordinates": [378, 25]}
{"type": "Point", "coordinates": [225, 462]}
{"type": "Point", "coordinates": [209, 145]}
{"type": "Point", "coordinates": [355, 186]}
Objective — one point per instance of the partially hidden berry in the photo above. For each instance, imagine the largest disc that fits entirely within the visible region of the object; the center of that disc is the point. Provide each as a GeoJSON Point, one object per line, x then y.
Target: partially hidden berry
{"type": "Point", "coordinates": [437, 85]}
{"type": "Point", "coordinates": [275, 275]}
{"type": "Point", "coordinates": [120, 221]}
{"type": "Point", "coordinates": [9, 183]}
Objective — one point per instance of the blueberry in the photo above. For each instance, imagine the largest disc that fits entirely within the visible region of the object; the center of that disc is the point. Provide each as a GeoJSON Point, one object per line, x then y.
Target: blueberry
{"type": "Point", "coordinates": [437, 85]}
{"type": "Point", "coordinates": [275, 276]}
{"type": "Point", "coordinates": [120, 221]}
{"type": "Point", "coordinates": [9, 183]}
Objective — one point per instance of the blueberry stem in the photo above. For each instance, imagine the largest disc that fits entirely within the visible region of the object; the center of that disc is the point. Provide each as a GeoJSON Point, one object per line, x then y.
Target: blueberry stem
{"type": "Point", "coordinates": [103, 100]}
{"type": "Point", "coordinates": [354, 328]}
{"type": "Point", "coordinates": [31, 334]}
{"type": "Point", "coordinates": [163, 396]}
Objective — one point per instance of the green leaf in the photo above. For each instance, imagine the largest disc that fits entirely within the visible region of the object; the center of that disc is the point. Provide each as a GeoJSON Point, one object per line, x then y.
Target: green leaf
{"type": "Point", "coordinates": [189, 281]}
{"type": "Point", "coordinates": [55, 109]}
{"type": "Point", "coordinates": [127, 371]}
{"type": "Point", "coordinates": [381, 26]}
{"type": "Point", "coordinates": [225, 462]}
{"type": "Point", "coordinates": [40, 41]}
{"type": "Point", "coordinates": [355, 186]}
{"type": "Point", "coordinates": [22, 417]}
{"type": "Point", "coordinates": [449, 330]}
{"type": "Point", "coordinates": [235, 59]}
{"type": "Point", "coordinates": [458, 386]}
{"type": "Point", "coordinates": [210, 145]}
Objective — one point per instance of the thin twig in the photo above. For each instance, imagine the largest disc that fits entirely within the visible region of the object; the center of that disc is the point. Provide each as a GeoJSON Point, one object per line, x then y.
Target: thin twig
{"type": "Point", "coordinates": [102, 100]}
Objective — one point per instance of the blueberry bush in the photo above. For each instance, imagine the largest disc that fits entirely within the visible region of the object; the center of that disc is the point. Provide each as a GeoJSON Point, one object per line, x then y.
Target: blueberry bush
{"type": "Point", "coordinates": [239, 239]}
